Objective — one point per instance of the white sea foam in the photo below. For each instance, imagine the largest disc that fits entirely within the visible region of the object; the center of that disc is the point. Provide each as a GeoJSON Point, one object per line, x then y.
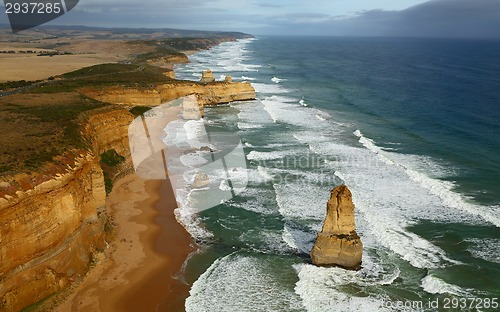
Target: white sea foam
{"type": "Point", "coordinates": [282, 99]}
{"type": "Point", "coordinates": [275, 155]}
{"type": "Point", "coordinates": [485, 248]}
{"type": "Point", "coordinates": [277, 80]}
{"type": "Point", "coordinates": [249, 126]}
{"type": "Point", "coordinates": [267, 242]}
{"type": "Point", "coordinates": [193, 160]}
{"type": "Point", "coordinates": [224, 185]}
{"type": "Point", "coordinates": [451, 199]}
{"type": "Point", "coordinates": [439, 188]}
{"type": "Point", "coordinates": [253, 113]}
{"type": "Point", "coordinates": [285, 110]}
{"type": "Point", "coordinates": [237, 283]}
{"type": "Point", "coordinates": [299, 240]}
{"type": "Point", "coordinates": [320, 290]}
{"type": "Point", "coordinates": [384, 218]}
{"type": "Point", "coordinates": [323, 116]}
{"type": "Point", "coordinates": [301, 201]}
{"type": "Point", "coordinates": [247, 78]}
{"type": "Point", "coordinates": [434, 285]}
{"type": "Point", "coordinates": [385, 193]}
{"type": "Point", "coordinates": [265, 174]}
{"type": "Point", "coordinates": [190, 220]}
{"type": "Point", "coordinates": [269, 88]}
{"type": "Point", "coordinates": [186, 133]}
{"type": "Point", "coordinates": [222, 59]}
{"type": "Point", "coordinates": [256, 200]}
{"type": "Point", "coordinates": [386, 200]}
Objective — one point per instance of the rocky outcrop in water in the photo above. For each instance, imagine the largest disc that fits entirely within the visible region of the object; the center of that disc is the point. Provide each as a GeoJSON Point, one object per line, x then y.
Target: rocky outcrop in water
{"type": "Point", "coordinates": [207, 76]}
{"type": "Point", "coordinates": [338, 244]}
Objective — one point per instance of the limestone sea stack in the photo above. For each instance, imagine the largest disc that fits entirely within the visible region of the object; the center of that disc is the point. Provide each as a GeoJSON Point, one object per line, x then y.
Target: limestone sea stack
{"type": "Point", "coordinates": [338, 244]}
{"type": "Point", "coordinates": [207, 76]}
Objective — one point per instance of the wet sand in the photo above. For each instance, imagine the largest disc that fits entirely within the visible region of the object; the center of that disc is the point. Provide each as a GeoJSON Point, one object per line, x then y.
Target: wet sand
{"type": "Point", "coordinates": [147, 253]}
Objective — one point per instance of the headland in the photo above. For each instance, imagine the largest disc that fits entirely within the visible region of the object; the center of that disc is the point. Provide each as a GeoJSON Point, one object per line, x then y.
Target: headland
{"type": "Point", "coordinates": [79, 230]}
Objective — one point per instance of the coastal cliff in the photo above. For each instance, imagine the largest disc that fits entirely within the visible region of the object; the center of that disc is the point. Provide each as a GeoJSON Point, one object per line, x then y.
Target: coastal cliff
{"type": "Point", "coordinates": [53, 219]}
{"type": "Point", "coordinates": [53, 222]}
{"type": "Point", "coordinates": [209, 94]}
{"type": "Point", "coordinates": [48, 233]}
{"type": "Point", "coordinates": [108, 130]}
{"type": "Point", "coordinates": [338, 244]}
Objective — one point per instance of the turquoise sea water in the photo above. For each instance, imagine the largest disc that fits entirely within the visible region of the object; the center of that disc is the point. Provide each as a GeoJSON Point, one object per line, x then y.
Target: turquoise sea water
{"type": "Point", "coordinates": [410, 125]}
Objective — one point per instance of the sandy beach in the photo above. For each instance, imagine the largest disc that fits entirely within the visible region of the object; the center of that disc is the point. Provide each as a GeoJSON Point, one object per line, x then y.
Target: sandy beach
{"type": "Point", "coordinates": [137, 271]}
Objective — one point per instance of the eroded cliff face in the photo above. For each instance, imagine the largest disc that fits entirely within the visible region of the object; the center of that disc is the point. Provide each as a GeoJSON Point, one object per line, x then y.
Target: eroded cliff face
{"type": "Point", "coordinates": [54, 221]}
{"type": "Point", "coordinates": [108, 130]}
{"type": "Point", "coordinates": [209, 94]}
{"type": "Point", "coordinates": [338, 244]}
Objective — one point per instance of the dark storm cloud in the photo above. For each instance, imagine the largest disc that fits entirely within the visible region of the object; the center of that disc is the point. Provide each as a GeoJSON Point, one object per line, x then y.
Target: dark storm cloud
{"type": "Point", "coordinates": [453, 18]}
{"type": "Point", "coordinates": [436, 18]}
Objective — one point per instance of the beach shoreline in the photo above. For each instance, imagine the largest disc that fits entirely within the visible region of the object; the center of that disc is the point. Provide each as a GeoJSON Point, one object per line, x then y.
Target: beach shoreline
{"type": "Point", "coordinates": [138, 271]}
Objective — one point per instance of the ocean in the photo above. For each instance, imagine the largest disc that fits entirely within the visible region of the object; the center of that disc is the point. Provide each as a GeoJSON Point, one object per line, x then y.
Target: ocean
{"type": "Point", "coordinates": [411, 126]}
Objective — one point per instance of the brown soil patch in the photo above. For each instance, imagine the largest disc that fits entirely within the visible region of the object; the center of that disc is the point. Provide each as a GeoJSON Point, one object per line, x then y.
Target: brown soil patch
{"type": "Point", "coordinates": [22, 66]}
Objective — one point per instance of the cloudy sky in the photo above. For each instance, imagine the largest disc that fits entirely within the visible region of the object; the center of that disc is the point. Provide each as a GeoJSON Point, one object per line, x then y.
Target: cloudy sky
{"type": "Point", "coordinates": [437, 18]}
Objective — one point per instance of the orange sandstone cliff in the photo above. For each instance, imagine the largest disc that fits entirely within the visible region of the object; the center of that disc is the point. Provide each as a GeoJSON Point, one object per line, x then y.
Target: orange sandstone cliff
{"type": "Point", "coordinates": [53, 223]}
{"type": "Point", "coordinates": [208, 94]}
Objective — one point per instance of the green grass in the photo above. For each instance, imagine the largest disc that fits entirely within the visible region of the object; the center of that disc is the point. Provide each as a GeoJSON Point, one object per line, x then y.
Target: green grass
{"type": "Point", "coordinates": [64, 116]}
{"type": "Point", "coordinates": [106, 75]}
{"type": "Point", "coordinates": [15, 84]}
{"type": "Point", "coordinates": [102, 69]}
{"type": "Point", "coordinates": [161, 53]}
{"type": "Point", "coordinates": [49, 127]}
{"type": "Point", "coordinates": [5, 168]}
{"type": "Point", "coordinates": [173, 47]}
{"type": "Point", "coordinates": [183, 44]}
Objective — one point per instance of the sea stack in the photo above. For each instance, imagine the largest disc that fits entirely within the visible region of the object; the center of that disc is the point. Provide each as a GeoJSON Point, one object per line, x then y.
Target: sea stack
{"type": "Point", "coordinates": [338, 244]}
{"type": "Point", "coordinates": [207, 76]}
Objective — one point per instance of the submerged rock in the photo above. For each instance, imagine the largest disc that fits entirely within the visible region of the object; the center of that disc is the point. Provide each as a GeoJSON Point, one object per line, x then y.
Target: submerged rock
{"type": "Point", "coordinates": [338, 244]}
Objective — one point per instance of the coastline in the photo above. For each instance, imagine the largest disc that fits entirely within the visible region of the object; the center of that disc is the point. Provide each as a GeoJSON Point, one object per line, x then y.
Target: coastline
{"type": "Point", "coordinates": [148, 250]}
